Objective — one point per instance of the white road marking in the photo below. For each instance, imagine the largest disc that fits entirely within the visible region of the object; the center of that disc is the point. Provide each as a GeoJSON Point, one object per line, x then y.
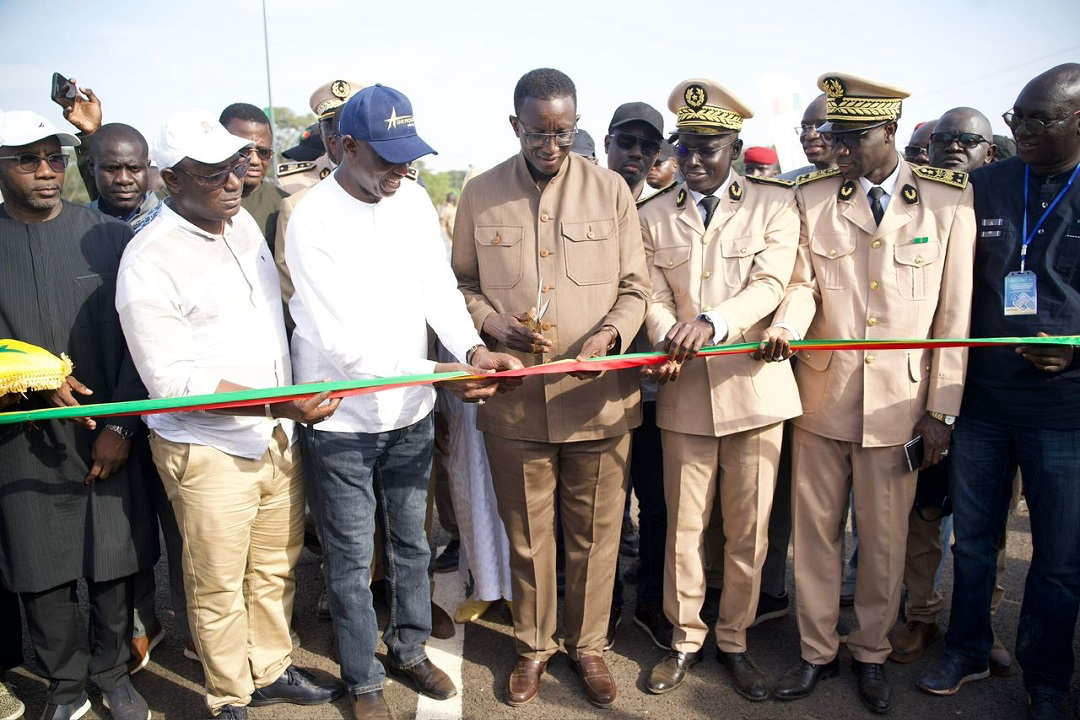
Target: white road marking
{"type": "Point", "coordinates": [446, 654]}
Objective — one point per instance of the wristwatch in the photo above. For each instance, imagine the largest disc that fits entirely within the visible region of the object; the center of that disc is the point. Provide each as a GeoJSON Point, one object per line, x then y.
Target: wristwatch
{"type": "Point", "coordinates": [472, 351]}
{"type": "Point", "coordinates": [942, 417]}
{"type": "Point", "coordinates": [121, 431]}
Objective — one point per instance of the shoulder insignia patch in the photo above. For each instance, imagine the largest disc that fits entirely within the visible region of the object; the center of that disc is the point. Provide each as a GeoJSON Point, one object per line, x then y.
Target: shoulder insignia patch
{"type": "Point", "coordinates": [816, 175]}
{"type": "Point", "coordinates": [847, 190]}
{"type": "Point", "coordinates": [910, 194]}
{"type": "Point", "coordinates": [324, 173]}
{"type": "Point", "coordinates": [293, 168]}
{"type": "Point", "coordinates": [735, 191]}
{"type": "Point", "coordinates": [658, 193]}
{"type": "Point", "coordinates": [948, 177]}
{"type": "Point", "coordinates": [680, 199]}
{"type": "Point", "coordinates": [770, 181]}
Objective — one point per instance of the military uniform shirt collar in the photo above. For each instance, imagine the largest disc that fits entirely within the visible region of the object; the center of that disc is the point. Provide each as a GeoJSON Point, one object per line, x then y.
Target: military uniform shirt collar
{"type": "Point", "coordinates": [888, 184]}
{"type": "Point", "coordinates": [719, 193]}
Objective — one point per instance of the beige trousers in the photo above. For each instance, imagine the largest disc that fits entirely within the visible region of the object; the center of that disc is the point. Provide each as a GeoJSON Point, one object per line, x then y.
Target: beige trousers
{"type": "Point", "coordinates": [591, 480]}
{"type": "Point", "coordinates": [740, 469]}
{"type": "Point", "coordinates": [824, 472]}
{"type": "Point", "coordinates": [242, 522]}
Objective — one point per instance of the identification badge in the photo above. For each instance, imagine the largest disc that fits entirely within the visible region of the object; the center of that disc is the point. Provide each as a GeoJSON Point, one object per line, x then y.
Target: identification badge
{"type": "Point", "coordinates": [1021, 295]}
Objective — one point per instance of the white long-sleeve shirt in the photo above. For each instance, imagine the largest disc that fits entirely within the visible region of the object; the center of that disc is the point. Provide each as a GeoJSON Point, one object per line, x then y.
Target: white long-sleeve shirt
{"type": "Point", "coordinates": [199, 308]}
{"type": "Point", "coordinates": [370, 278]}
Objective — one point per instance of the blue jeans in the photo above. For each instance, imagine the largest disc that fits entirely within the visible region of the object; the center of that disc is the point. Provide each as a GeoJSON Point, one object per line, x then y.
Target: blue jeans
{"type": "Point", "coordinates": [355, 480]}
{"type": "Point", "coordinates": [983, 461]}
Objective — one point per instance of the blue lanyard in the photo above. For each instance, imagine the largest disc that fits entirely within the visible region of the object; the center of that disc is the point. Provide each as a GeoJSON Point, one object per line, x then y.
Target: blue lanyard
{"type": "Point", "coordinates": [1046, 213]}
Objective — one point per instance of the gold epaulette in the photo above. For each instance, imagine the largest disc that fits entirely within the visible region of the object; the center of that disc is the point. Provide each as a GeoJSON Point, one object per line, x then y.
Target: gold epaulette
{"type": "Point", "coordinates": [956, 178]}
{"type": "Point", "coordinates": [293, 168]}
{"type": "Point", "coordinates": [770, 181]}
{"type": "Point", "coordinates": [816, 175]}
{"type": "Point", "coordinates": [658, 193]}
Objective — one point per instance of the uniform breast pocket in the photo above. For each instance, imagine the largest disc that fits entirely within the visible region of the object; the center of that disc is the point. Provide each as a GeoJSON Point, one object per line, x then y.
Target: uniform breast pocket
{"type": "Point", "coordinates": [673, 262]}
{"type": "Point", "coordinates": [917, 268]}
{"type": "Point", "coordinates": [95, 299]}
{"type": "Point", "coordinates": [1068, 252]}
{"type": "Point", "coordinates": [739, 256]}
{"type": "Point", "coordinates": [499, 254]}
{"type": "Point", "coordinates": [591, 251]}
{"type": "Point", "coordinates": [834, 259]}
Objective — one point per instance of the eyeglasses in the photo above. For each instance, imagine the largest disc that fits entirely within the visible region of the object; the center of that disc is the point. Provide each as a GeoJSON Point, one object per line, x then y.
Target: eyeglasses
{"type": "Point", "coordinates": [703, 153]}
{"type": "Point", "coordinates": [626, 141]}
{"type": "Point", "coordinates": [851, 140]}
{"type": "Point", "coordinates": [911, 152]}
{"type": "Point", "coordinates": [264, 153]}
{"type": "Point", "coordinates": [218, 179]}
{"type": "Point", "coordinates": [29, 162]}
{"type": "Point", "coordinates": [539, 140]}
{"type": "Point", "coordinates": [1035, 126]}
{"type": "Point", "coordinates": [801, 130]}
{"type": "Point", "coordinates": [966, 139]}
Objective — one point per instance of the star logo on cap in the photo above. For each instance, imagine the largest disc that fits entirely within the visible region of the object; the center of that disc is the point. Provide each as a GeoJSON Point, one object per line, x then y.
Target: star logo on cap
{"type": "Point", "coordinates": [394, 120]}
{"type": "Point", "coordinates": [340, 89]}
{"type": "Point", "coordinates": [695, 96]}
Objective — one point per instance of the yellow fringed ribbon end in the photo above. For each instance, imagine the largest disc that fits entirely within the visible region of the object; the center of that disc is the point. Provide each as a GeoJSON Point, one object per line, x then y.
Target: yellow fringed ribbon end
{"type": "Point", "coordinates": [25, 367]}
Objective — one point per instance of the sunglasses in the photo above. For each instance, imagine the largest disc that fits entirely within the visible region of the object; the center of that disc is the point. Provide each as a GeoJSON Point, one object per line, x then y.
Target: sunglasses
{"type": "Point", "coordinates": [703, 153]}
{"type": "Point", "coordinates": [851, 140]}
{"type": "Point", "coordinates": [626, 141]}
{"type": "Point", "coordinates": [218, 179]}
{"type": "Point", "coordinates": [29, 162]}
{"type": "Point", "coordinates": [966, 139]}
{"type": "Point", "coordinates": [264, 153]}
{"type": "Point", "coordinates": [803, 129]}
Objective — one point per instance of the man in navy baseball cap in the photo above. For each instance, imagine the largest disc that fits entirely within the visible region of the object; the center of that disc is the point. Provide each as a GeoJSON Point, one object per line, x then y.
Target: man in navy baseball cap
{"type": "Point", "coordinates": [383, 118]}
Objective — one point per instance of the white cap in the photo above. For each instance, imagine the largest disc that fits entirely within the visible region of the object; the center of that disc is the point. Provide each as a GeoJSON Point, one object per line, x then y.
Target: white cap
{"type": "Point", "coordinates": [22, 127]}
{"type": "Point", "coordinates": [197, 135]}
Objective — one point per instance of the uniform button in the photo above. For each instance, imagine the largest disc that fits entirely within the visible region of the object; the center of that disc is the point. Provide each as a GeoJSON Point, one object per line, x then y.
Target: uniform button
{"type": "Point", "coordinates": [707, 274]}
{"type": "Point", "coordinates": [497, 240]}
{"type": "Point", "coordinates": [876, 244]}
{"type": "Point", "coordinates": [1042, 230]}
{"type": "Point", "coordinates": [543, 253]}
{"type": "Point", "coordinates": [546, 326]}
{"type": "Point", "coordinates": [742, 251]}
{"type": "Point", "coordinates": [545, 288]}
{"type": "Point", "coordinates": [591, 235]}
{"type": "Point", "coordinates": [670, 263]}
{"type": "Point", "coordinates": [706, 309]}
{"type": "Point", "coordinates": [832, 252]}
{"type": "Point", "coordinates": [871, 322]}
{"type": "Point", "coordinates": [870, 359]}
{"type": "Point", "coordinates": [545, 217]}
{"type": "Point", "coordinates": [704, 241]}
{"type": "Point", "coordinates": [873, 285]}
{"type": "Point", "coordinates": [918, 260]}
{"type": "Point", "coordinates": [1044, 205]}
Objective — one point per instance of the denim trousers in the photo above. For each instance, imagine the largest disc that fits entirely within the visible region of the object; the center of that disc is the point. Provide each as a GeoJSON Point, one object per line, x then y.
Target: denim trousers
{"type": "Point", "coordinates": [354, 481]}
{"type": "Point", "coordinates": [983, 461]}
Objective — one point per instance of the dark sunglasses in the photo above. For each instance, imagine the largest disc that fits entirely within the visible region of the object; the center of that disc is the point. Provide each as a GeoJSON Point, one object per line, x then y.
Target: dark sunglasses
{"type": "Point", "coordinates": [966, 139]}
{"type": "Point", "coordinates": [264, 153]}
{"type": "Point", "coordinates": [626, 141]}
{"type": "Point", "coordinates": [218, 179]}
{"type": "Point", "coordinates": [848, 140]}
{"type": "Point", "coordinates": [29, 162]}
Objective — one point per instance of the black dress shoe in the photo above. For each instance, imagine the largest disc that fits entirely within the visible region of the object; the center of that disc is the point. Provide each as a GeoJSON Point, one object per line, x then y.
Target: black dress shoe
{"type": "Point", "coordinates": [710, 607]}
{"type": "Point", "coordinates": [670, 672]}
{"type": "Point", "coordinates": [874, 690]}
{"type": "Point", "coordinates": [429, 680]}
{"type": "Point", "coordinates": [298, 687]}
{"type": "Point", "coordinates": [799, 681]}
{"type": "Point", "coordinates": [750, 682]}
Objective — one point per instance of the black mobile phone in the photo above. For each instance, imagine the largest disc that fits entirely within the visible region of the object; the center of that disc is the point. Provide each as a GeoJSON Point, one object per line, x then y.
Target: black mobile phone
{"type": "Point", "coordinates": [913, 451]}
{"type": "Point", "coordinates": [63, 91]}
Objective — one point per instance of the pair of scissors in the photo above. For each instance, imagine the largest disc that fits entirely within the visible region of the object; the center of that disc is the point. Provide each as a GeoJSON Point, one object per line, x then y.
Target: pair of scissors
{"type": "Point", "coordinates": [536, 315]}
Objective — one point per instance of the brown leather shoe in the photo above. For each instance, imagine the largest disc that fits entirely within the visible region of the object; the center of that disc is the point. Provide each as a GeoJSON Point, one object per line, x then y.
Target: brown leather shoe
{"type": "Point", "coordinates": [524, 681]}
{"type": "Point", "coordinates": [429, 680]}
{"type": "Point", "coordinates": [371, 706]}
{"type": "Point", "coordinates": [910, 642]}
{"type": "Point", "coordinates": [670, 672]}
{"type": "Point", "coordinates": [442, 627]}
{"type": "Point", "coordinates": [595, 676]}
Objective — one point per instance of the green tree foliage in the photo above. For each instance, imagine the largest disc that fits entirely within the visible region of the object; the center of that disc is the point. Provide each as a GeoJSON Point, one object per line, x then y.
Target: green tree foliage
{"type": "Point", "coordinates": [438, 184]}
{"type": "Point", "coordinates": [288, 127]}
{"type": "Point", "coordinates": [74, 190]}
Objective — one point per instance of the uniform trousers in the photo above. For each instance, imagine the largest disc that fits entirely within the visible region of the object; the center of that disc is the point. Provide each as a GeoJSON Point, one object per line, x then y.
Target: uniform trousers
{"type": "Point", "coordinates": [242, 523]}
{"type": "Point", "coordinates": [741, 469]}
{"type": "Point", "coordinates": [825, 471]}
{"type": "Point", "coordinates": [591, 479]}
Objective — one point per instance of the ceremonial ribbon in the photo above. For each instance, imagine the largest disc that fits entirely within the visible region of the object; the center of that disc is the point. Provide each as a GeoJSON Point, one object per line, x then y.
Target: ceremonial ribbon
{"type": "Point", "coordinates": [345, 388]}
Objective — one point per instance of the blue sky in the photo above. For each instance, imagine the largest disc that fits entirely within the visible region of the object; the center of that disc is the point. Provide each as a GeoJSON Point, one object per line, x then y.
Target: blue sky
{"type": "Point", "coordinates": [458, 63]}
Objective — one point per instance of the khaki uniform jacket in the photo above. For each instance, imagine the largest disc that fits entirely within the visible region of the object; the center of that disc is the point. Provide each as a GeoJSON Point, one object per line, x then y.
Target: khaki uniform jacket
{"type": "Point", "coordinates": [581, 236]}
{"type": "Point", "coordinates": [738, 268]}
{"type": "Point", "coordinates": [910, 277]}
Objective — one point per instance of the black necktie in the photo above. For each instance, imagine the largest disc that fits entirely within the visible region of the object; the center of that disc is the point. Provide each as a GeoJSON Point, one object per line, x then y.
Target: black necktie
{"type": "Point", "coordinates": [709, 203]}
{"type": "Point", "coordinates": [875, 203]}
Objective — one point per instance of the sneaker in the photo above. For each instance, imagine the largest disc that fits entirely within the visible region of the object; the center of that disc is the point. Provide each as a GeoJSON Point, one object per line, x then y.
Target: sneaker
{"type": "Point", "coordinates": [947, 674]}
{"type": "Point", "coordinates": [650, 617]}
{"type": "Point", "coordinates": [447, 560]}
{"type": "Point", "coordinates": [141, 647]}
{"type": "Point", "coordinates": [630, 541]}
{"type": "Point", "coordinates": [233, 712]}
{"type": "Point", "coordinates": [125, 703]}
{"type": "Point", "coordinates": [614, 621]}
{"type": "Point", "coordinates": [11, 707]}
{"type": "Point", "coordinates": [770, 607]}
{"type": "Point", "coordinates": [70, 711]}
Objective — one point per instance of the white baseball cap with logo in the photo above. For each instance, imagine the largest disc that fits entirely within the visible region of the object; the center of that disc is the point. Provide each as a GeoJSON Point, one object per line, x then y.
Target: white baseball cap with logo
{"type": "Point", "coordinates": [22, 127]}
{"type": "Point", "coordinates": [197, 135]}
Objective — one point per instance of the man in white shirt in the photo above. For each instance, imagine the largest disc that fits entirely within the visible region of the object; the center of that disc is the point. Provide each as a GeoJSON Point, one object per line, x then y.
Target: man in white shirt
{"type": "Point", "coordinates": [371, 276]}
{"type": "Point", "coordinates": [199, 302]}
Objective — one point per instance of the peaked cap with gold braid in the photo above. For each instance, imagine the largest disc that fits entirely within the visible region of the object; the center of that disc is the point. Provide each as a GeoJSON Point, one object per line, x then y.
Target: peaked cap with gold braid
{"type": "Point", "coordinates": [704, 107]}
{"type": "Point", "coordinates": [326, 100]}
{"type": "Point", "coordinates": [857, 103]}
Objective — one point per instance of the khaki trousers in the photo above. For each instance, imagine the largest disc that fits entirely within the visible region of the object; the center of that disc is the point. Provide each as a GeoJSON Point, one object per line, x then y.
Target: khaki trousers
{"type": "Point", "coordinates": [242, 522]}
{"type": "Point", "coordinates": [740, 469]}
{"type": "Point", "coordinates": [825, 471]}
{"type": "Point", "coordinates": [591, 480]}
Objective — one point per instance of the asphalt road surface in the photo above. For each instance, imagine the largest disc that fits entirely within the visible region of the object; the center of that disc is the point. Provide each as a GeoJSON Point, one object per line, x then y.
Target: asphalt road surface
{"type": "Point", "coordinates": [481, 656]}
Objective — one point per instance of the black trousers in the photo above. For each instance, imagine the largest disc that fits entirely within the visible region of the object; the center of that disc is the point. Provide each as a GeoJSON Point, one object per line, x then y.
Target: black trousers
{"type": "Point", "coordinates": [67, 654]}
{"type": "Point", "coordinates": [11, 653]}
